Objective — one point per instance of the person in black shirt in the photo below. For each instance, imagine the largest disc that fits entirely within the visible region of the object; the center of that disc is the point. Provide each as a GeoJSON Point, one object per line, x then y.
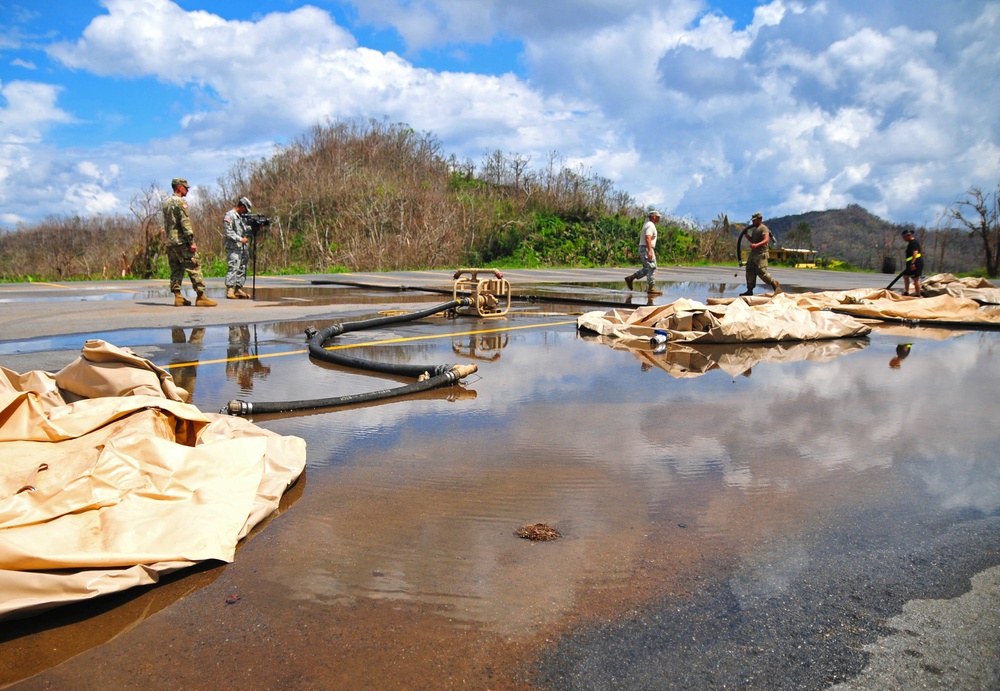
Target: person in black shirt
{"type": "Point", "coordinates": [914, 264]}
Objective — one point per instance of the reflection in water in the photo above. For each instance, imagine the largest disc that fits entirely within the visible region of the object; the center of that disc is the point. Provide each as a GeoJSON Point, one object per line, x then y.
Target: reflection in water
{"type": "Point", "coordinates": [657, 482]}
{"type": "Point", "coordinates": [902, 350]}
{"type": "Point", "coordinates": [451, 394]}
{"type": "Point", "coordinates": [32, 645]}
{"type": "Point", "coordinates": [186, 376]}
{"type": "Point", "coordinates": [481, 346]}
{"type": "Point", "coordinates": [419, 501]}
{"type": "Point", "coordinates": [639, 301]}
{"type": "Point", "coordinates": [693, 360]}
{"type": "Point", "coordinates": [242, 364]}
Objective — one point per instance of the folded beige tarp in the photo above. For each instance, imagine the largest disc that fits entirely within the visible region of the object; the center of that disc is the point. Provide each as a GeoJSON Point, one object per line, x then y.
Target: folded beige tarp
{"type": "Point", "coordinates": [735, 321]}
{"type": "Point", "coordinates": [884, 304]}
{"type": "Point", "coordinates": [798, 316]}
{"type": "Point", "coordinates": [978, 289]}
{"type": "Point", "coordinates": [125, 484]}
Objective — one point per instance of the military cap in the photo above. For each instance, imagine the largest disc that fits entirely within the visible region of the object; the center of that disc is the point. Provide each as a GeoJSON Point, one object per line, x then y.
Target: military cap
{"type": "Point", "coordinates": [179, 181]}
{"type": "Point", "coordinates": [756, 215]}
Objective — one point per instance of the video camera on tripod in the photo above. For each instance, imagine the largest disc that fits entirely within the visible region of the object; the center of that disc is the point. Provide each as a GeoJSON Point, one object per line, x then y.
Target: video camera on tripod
{"type": "Point", "coordinates": [256, 222]}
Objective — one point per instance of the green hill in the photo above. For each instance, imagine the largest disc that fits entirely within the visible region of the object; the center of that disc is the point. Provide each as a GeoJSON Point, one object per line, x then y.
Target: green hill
{"type": "Point", "coordinates": [865, 241]}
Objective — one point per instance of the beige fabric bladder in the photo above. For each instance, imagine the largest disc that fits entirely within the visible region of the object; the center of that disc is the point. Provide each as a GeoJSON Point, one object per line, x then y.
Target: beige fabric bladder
{"type": "Point", "coordinates": [978, 289]}
{"type": "Point", "coordinates": [737, 321]}
{"type": "Point", "coordinates": [797, 316]}
{"type": "Point", "coordinates": [111, 492]}
{"type": "Point", "coordinates": [884, 304]}
{"type": "Point", "coordinates": [106, 370]}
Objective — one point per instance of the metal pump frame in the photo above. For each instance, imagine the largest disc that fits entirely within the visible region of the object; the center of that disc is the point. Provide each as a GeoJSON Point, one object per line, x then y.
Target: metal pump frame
{"type": "Point", "coordinates": [490, 296]}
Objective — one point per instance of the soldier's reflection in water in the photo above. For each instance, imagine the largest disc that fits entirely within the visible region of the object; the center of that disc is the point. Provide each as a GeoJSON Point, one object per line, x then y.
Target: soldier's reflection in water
{"type": "Point", "coordinates": [241, 362]}
{"type": "Point", "coordinates": [646, 301]}
{"type": "Point", "coordinates": [186, 375]}
{"type": "Point", "coordinates": [902, 350]}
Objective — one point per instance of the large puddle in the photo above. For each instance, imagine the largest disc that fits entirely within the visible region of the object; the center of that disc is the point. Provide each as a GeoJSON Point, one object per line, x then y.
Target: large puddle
{"type": "Point", "coordinates": [659, 468]}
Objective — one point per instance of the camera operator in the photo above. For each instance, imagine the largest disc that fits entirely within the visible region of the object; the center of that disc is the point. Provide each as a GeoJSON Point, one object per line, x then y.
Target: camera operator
{"type": "Point", "coordinates": [237, 236]}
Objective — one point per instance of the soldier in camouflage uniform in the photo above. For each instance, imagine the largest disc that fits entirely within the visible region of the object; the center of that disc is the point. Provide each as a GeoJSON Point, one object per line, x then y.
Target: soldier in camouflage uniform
{"type": "Point", "coordinates": [647, 253]}
{"type": "Point", "coordinates": [181, 250]}
{"type": "Point", "coordinates": [237, 236]}
{"type": "Point", "coordinates": [759, 238]}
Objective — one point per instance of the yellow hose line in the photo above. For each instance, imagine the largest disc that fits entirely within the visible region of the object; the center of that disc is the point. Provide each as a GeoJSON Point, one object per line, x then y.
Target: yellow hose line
{"type": "Point", "coordinates": [368, 343]}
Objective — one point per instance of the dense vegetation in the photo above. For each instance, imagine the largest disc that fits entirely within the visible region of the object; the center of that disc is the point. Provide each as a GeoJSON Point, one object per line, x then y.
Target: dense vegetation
{"type": "Point", "coordinates": [855, 238]}
{"type": "Point", "coordinates": [369, 196]}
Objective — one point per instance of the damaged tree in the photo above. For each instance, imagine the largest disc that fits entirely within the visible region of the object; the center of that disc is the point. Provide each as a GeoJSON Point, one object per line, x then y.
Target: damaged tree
{"type": "Point", "coordinates": [146, 206]}
{"type": "Point", "coordinates": [979, 212]}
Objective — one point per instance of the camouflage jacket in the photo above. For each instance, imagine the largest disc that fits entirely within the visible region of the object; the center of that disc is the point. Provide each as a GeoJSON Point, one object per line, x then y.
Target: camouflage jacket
{"type": "Point", "coordinates": [756, 235]}
{"type": "Point", "coordinates": [235, 229]}
{"type": "Point", "coordinates": [176, 223]}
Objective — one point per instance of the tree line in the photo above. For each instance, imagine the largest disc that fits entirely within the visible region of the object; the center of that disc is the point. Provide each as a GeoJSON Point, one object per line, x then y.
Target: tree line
{"type": "Point", "coordinates": [373, 196]}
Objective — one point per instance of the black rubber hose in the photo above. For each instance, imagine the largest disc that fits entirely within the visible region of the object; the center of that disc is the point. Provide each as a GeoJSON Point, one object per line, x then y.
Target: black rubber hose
{"type": "Point", "coordinates": [318, 342]}
{"type": "Point", "coordinates": [739, 246]}
{"type": "Point", "coordinates": [898, 276]}
{"type": "Point", "coordinates": [247, 408]}
{"type": "Point", "coordinates": [429, 376]}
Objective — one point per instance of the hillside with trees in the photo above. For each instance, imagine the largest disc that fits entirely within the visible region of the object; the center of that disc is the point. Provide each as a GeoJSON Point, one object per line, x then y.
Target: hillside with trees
{"type": "Point", "coordinates": [373, 196]}
{"type": "Point", "coordinates": [864, 241]}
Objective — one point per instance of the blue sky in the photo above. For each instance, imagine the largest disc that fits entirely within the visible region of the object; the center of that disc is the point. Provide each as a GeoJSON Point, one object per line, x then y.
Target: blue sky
{"type": "Point", "coordinates": [699, 108]}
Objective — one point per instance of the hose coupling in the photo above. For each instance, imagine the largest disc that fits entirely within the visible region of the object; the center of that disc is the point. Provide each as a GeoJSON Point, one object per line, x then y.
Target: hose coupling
{"type": "Point", "coordinates": [237, 407]}
{"type": "Point", "coordinates": [463, 371]}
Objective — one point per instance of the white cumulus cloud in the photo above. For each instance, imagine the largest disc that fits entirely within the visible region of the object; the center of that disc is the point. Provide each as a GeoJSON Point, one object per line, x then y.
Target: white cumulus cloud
{"type": "Point", "coordinates": [818, 103]}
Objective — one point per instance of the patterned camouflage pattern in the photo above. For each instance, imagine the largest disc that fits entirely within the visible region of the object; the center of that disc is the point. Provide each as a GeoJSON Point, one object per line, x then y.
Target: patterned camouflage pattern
{"type": "Point", "coordinates": [182, 260]}
{"type": "Point", "coordinates": [757, 259]}
{"type": "Point", "coordinates": [648, 270]}
{"type": "Point", "coordinates": [176, 223]}
{"type": "Point", "coordinates": [237, 253]}
{"type": "Point", "coordinates": [180, 237]}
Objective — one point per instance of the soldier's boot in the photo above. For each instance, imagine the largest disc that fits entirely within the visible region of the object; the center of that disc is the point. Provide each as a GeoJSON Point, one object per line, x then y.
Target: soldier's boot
{"type": "Point", "coordinates": [180, 300]}
{"type": "Point", "coordinates": [231, 294]}
{"type": "Point", "coordinates": [203, 301]}
{"type": "Point", "coordinates": [242, 294]}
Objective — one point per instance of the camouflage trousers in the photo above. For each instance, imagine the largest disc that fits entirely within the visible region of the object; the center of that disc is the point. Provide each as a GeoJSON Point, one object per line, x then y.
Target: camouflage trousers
{"type": "Point", "coordinates": [182, 260]}
{"type": "Point", "coordinates": [757, 266]}
{"type": "Point", "coordinates": [647, 271]}
{"type": "Point", "coordinates": [236, 272]}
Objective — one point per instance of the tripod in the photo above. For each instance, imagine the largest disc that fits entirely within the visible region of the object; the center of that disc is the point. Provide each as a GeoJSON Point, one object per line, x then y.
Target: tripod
{"type": "Point", "coordinates": [253, 283]}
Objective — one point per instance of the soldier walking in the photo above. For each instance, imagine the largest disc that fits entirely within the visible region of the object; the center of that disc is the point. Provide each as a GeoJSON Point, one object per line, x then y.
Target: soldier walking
{"type": "Point", "coordinates": [647, 253]}
{"type": "Point", "coordinates": [759, 238]}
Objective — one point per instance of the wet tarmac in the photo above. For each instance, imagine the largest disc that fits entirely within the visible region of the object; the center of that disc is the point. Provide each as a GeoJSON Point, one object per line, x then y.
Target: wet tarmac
{"type": "Point", "coordinates": [775, 525]}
